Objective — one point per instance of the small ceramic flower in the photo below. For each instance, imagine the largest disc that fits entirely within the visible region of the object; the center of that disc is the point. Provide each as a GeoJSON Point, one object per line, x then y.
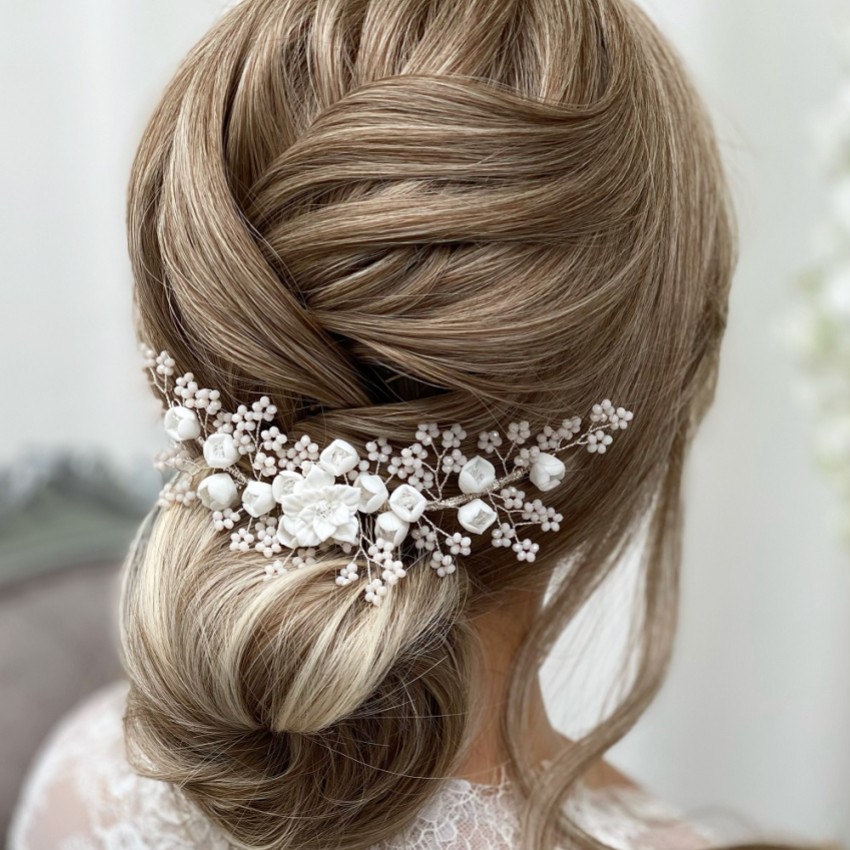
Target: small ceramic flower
{"type": "Point", "coordinates": [339, 457]}
{"type": "Point", "coordinates": [282, 484]}
{"type": "Point", "coordinates": [390, 526]}
{"type": "Point", "coordinates": [218, 492]}
{"type": "Point", "coordinates": [258, 498]}
{"type": "Point", "coordinates": [373, 492]}
{"type": "Point", "coordinates": [476, 516]}
{"type": "Point", "coordinates": [547, 471]}
{"type": "Point", "coordinates": [476, 475]}
{"type": "Point", "coordinates": [182, 424]}
{"type": "Point", "coordinates": [220, 451]}
{"type": "Point", "coordinates": [407, 502]}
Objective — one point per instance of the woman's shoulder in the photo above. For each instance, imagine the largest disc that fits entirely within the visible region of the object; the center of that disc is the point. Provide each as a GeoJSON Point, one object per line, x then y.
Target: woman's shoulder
{"type": "Point", "coordinates": [622, 814]}
{"type": "Point", "coordinates": [82, 794]}
{"type": "Point", "coordinates": [627, 817]}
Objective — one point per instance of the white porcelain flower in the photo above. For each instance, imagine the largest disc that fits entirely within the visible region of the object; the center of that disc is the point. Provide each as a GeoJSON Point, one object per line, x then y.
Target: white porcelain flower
{"type": "Point", "coordinates": [218, 492]}
{"type": "Point", "coordinates": [220, 451]}
{"type": "Point", "coordinates": [373, 492]}
{"type": "Point", "coordinates": [547, 471]}
{"type": "Point", "coordinates": [476, 475]}
{"type": "Point", "coordinates": [318, 509]}
{"type": "Point", "coordinates": [339, 457]}
{"type": "Point", "coordinates": [390, 526]}
{"type": "Point", "coordinates": [282, 484]}
{"type": "Point", "coordinates": [407, 502]}
{"type": "Point", "coordinates": [258, 498]}
{"type": "Point", "coordinates": [476, 516]}
{"type": "Point", "coordinates": [181, 423]}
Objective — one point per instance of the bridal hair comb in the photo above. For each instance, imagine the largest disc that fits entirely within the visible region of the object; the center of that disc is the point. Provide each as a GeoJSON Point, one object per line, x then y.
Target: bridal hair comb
{"type": "Point", "coordinates": [303, 498]}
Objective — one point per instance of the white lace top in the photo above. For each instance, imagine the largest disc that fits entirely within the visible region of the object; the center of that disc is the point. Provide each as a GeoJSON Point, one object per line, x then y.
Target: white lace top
{"type": "Point", "coordinates": [81, 794]}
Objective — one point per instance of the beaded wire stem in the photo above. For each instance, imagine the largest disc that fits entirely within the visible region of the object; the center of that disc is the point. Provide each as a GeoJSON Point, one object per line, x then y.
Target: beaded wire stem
{"type": "Point", "coordinates": [304, 500]}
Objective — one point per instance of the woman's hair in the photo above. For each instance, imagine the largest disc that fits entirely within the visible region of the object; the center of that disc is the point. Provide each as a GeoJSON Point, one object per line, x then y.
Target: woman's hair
{"type": "Point", "coordinates": [383, 213]}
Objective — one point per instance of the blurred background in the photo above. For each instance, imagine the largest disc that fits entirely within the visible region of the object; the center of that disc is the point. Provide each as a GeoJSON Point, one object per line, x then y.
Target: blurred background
{"type": "Point", "coordinates": [753, 725]}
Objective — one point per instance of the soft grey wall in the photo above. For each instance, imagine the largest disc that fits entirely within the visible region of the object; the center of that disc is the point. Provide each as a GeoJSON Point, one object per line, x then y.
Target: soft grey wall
{"type": "Point", "coordinates": [755, 715]}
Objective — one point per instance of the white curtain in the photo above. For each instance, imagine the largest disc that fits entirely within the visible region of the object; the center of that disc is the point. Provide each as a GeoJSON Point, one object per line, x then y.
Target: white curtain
{"type": "Point", "coordinates": [754, 720]}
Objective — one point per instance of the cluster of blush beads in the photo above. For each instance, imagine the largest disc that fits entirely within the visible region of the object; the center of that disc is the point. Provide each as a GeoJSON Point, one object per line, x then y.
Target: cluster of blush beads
{"type": "Point", "coordinates": [459, 544]}
{"type": "Point", "coordinates": [526, 455]}
{"type": "Point", "coordinates": [241, 540]}
{"type": "Point", "coordinates": [176, 491]}
{"type": "Point", "coordinates": [443, 563]}
{"type": "Point", "coordinates": [168, 459]}
{"type": "Point", "coordinates": [273, 455]}
{"type": "Point", "coordinates": [502, 534]}
{"type": "Point", "coordinates": [451, 457]}
{"type": "Point", "coordinates": [489, 441]}
{"type": "Point", "coordinates": [276, 568]}
{"type": "Point", "coordinates": [381, 552]}
{"type": "Point", "coordinates": [512, 497]}
{"type": "Point", "coordinates": [605, 414]}
{"type": "Point", "coordinates": [265, 532]}
{"type": "Point", "coordinates": [226, 519]}
{"type": "Point", "coordinates": [376, 590]}
{"type": "Point", "coordinates": [377, 451]}
{"type": "Point", "coordinates": [245, 425]}
{"type": "Point", "coordinates": [348, 574]}
{"type": "Point", "coordinates": [546, 517]}
{"type": "Point", "coordinates": [518, 432]}
{"type": "Point", "coordinates": [303, 557]}
{"type": "Point", "coordinates": [410, 466]}
{"type": "Point", "coordinates": [551, 438]}
{"type": "Point", "coordinates": [598, 442]}
{"type": "Point", "coordinates": [526, 549]}
{"type": "Point", "coordinates": [424, 538]}
{"type": "Point", "coordinates": [299, 559]}
{"type": "Point", "coordinates": [190, 395]}
{"type": "Point", "coordinates": [303, 449]}
{"type": "Point", "coordinates": [163, 363]}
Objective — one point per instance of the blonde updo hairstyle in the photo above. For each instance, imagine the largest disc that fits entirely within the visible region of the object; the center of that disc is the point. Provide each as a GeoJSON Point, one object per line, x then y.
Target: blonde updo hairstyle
{"type": "Point", "coordinates": [383, 213]}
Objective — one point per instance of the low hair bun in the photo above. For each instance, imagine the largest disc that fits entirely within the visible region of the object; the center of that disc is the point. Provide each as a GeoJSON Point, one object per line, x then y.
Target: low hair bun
{"type": "Point", "coordinates": [286, 694]}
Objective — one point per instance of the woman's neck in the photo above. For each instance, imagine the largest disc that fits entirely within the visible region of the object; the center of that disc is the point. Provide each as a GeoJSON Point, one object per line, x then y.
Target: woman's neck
{"type": "Point", "coordinates": [502, 632]}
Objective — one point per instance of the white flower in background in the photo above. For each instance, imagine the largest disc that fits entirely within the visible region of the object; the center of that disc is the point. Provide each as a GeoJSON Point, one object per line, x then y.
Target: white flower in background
{"type": "Point", "coordinates": [476, 475]}
{"type": "Point", "coordinates": [220, 451]}
{"type": "Point", "coordinates": [547, 471]}
{"type": "Point", "coordinates": [339, 457]}
{"type": "Point", "coordinates": [841, 204]}
{"type": "Point", "coordinates": [818, 327]}
{"type": "Point", "coordinates": [390, 526]}
{"type": "Point", "coordinates": [373, 492]}
{"type": "Point", "coordinates": [218, 492]}
{"type": "Point", "coordinates": [407, 503]}
{"type": "Point", "coordinates": [319, 509]}
{"type": "Point", "coordinates": [476, 516]}
{"type": "Point", "coordinates": [181, 423]}
{"type": "Point", "coordinates": [284, 483]}
{"type": "Point", "coordinates": [836, 292]}
{"type": "Point", "coordinates": [258, 498]}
